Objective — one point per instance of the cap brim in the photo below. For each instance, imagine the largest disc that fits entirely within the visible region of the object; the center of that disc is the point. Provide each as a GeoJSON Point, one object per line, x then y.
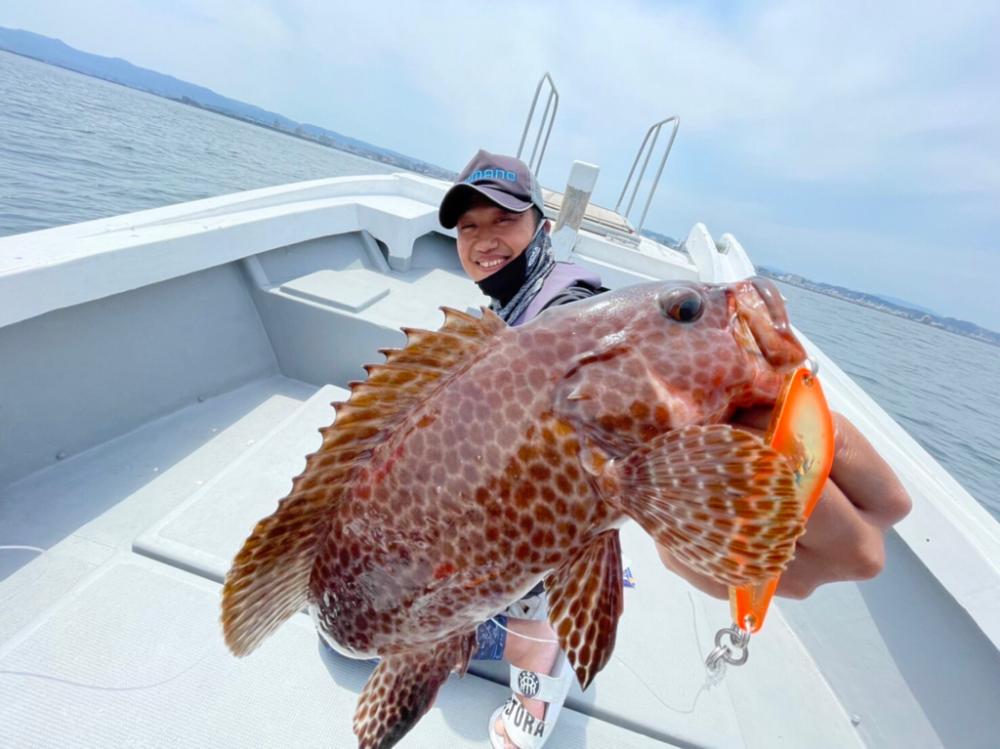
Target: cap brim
{"type": "Point", "coordinates": [457, 199]}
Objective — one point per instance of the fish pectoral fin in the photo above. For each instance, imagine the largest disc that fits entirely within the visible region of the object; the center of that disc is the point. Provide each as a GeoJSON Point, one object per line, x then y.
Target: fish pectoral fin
{"type": "Point", "coordinates": [403, 687]}
{"type": "Point", "coordinates": [585, 603]}
{"type": "Point", "coordinates": [717, 497]}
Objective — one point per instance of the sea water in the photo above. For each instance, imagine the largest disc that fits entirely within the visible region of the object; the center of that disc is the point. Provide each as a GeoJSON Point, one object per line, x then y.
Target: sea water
{"type": "Point", "coordinates": [74, 148]}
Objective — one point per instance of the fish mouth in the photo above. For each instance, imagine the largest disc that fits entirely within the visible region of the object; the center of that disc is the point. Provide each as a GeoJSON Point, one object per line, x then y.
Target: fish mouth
{"type": "Point", "coordinates": [761, 323]}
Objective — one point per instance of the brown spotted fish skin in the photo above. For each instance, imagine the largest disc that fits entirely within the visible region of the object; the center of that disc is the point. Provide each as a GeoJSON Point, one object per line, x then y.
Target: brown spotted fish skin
{"type": "Point", "coordinates": [480, 459]}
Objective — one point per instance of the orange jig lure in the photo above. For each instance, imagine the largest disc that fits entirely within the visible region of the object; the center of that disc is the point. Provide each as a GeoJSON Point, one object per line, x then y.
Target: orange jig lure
{"type": "Point", "coordinates": [801, 428]}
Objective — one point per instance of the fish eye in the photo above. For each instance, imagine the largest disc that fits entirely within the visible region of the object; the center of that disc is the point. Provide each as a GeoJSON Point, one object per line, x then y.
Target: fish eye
{"type": "Point", "coordinates": [682, 305]}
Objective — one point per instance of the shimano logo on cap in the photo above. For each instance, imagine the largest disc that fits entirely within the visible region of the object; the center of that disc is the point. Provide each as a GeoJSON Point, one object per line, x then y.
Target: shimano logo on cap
{"type": "Point", "coordinates": [498, 174]}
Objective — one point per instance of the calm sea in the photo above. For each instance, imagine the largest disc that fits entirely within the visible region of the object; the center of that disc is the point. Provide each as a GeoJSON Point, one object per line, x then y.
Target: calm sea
{"type": "Point", "coordinates": [74, 148]}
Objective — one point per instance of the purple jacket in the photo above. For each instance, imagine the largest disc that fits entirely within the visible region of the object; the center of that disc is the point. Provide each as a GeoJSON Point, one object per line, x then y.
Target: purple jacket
{"type": "Point", "coordinates": [561, 278]}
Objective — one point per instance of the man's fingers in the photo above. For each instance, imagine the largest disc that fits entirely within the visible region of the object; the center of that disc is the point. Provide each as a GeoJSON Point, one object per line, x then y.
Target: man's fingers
{"type": "Point", "coordinates": [839, 544]}
{"type": "Point", "coordinates": [843, 538]}
{"type": "Point", "coordinates": [860, 472]}
{"type": "Point", "coordinates": [864, 478]}
{"type": "Point", "coordinates": [807, 572]}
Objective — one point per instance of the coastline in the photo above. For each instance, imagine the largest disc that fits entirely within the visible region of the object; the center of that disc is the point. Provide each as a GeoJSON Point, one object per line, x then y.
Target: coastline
{"type": "Point", "coordinates": [323, 138]}
{"type": "Point", "coordinates": [209, 101]}
{"type": "Point", "coordinates": [947, 324]}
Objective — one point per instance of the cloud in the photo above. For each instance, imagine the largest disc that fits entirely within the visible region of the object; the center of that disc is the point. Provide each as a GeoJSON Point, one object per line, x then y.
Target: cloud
{"type": "Point", "coordinates": [834, 91]}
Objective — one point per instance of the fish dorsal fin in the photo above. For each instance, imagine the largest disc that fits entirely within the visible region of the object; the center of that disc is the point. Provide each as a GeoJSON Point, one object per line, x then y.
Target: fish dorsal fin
{"type": "Point", "coordinates": [462, 334]}
{"type": "Point", "coordinates": [408, 377]}
{"type": "Point", "coordinates": [269, 578]}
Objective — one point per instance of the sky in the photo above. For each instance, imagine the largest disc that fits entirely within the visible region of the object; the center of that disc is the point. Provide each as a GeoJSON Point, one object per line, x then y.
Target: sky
{"type": "Point", "coordinates": [856, 143]}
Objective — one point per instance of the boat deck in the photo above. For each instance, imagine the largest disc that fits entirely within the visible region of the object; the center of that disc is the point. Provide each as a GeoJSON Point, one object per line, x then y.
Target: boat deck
{"type": "Point", "coordinates": [139, 532]}
{"type": "Point", "coordinates": [595, 217]}
{"type": "Point", "coordinates": [162, 376]}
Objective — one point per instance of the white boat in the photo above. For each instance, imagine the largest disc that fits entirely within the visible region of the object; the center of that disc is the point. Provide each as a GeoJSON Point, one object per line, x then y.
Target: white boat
{"type": "Point", "coordinates": [164, 373]}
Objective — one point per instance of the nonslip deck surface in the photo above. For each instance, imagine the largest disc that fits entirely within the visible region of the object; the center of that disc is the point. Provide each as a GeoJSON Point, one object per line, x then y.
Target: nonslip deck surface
{"type": "Point", "coordinates": [89, 611]}
{"type": "Point", "coordinates": [656, 673]}
{"type": "Point", "coordinates": [134, 658]}
{"type": "Point", "coordinates": [87, 622]}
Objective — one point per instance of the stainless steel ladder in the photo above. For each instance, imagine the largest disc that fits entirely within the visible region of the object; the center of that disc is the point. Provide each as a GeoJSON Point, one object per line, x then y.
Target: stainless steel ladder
{"type": "Point", "coordinates": [551, 106]}
{"type": "Point", "coordinates": [654, 132]}
{"type": "Point", "coordinates": [645, 153]}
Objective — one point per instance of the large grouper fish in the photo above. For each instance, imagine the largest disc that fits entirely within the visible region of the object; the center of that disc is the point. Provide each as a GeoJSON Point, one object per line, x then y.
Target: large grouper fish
{"type": "Point", "coordinates": [481, 458]}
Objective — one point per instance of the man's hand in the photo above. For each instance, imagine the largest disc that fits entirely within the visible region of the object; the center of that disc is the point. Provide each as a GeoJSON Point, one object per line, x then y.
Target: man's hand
{"type": "Point", "coordinates": [845, 536]}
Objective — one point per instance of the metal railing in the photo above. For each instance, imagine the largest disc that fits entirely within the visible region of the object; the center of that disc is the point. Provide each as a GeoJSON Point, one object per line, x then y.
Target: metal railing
{"type": "Point", "coordinates": [551, 104]}
{"type": "Point", "coordinates": [653, 131]}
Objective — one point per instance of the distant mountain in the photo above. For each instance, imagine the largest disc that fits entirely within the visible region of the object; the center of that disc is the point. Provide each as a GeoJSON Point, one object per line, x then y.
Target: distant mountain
{"type": "Point", "coordinates": [116, 70]}
{"type": "Point", "coordinates": [898, 308]}
{"type": "Point", "coordinates": [662, 238]}
{"type": "Point", "coordinates": [906, 304]}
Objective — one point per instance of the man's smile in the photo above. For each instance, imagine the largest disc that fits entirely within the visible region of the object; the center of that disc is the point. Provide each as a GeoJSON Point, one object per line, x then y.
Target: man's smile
{"type": "Point", "coordinates": [492, 262]}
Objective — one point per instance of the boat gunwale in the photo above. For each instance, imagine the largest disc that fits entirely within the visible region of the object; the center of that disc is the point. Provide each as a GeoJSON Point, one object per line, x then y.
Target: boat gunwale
{"type": "Point", "coordinates": [70, 265]}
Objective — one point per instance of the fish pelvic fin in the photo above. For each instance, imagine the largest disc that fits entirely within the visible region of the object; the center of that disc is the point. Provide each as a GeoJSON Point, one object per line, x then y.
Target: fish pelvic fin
{"type": "Point", "coordinates": [585, 602]}
{"type": "Point", "coordinates": [718, 497]}
{"type": "Point", "coordinates": [269, 578]}
{"type": "Point", "coordinates": [403, 687]}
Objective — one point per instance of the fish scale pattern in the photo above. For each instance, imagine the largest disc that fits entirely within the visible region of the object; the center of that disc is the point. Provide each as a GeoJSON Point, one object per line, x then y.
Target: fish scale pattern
{"type": "Point", "coordinates": [269, 578]}
{"type": "Point", "coordinates": [480, 459]}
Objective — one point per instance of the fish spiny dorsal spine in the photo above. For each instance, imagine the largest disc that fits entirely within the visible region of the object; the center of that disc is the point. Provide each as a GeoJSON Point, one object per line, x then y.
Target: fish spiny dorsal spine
{"type": "Point", "coordinates": [269, 578]}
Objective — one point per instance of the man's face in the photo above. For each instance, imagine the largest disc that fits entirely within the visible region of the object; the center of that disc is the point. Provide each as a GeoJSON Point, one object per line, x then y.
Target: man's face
{"type": "Point", "coordinates": [489, 237]}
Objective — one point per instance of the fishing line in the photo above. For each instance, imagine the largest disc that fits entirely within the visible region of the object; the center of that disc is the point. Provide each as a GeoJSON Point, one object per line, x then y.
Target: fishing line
{"type": "Point", "coordinates": [80, 684]}
{"type": "Point", "coordinates": [100, 687]}
{"type": "Point", "coordinates": [518, 634]}
{"type": "Point", "coordinates": [705, 686]}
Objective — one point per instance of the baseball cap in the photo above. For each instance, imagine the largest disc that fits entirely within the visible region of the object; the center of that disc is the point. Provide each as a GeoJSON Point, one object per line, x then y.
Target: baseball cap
{"type": "Point", "coordinates": [504, 180]}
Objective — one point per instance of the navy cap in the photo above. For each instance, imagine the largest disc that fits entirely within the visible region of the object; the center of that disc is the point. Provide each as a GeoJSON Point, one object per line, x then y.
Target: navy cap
{"type": "Point", "coordinates": [503, 180]}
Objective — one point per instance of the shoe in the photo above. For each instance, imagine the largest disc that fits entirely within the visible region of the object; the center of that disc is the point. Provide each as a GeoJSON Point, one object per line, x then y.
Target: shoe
{"type": "Point", "coordinates": [524, 729]}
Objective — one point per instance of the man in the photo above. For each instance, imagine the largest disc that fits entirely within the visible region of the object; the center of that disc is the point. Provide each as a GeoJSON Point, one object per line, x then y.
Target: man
{"type": "Point", "coordinates": [503, 243]}
{"type": "Point", "coordinates": [502, 237]}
